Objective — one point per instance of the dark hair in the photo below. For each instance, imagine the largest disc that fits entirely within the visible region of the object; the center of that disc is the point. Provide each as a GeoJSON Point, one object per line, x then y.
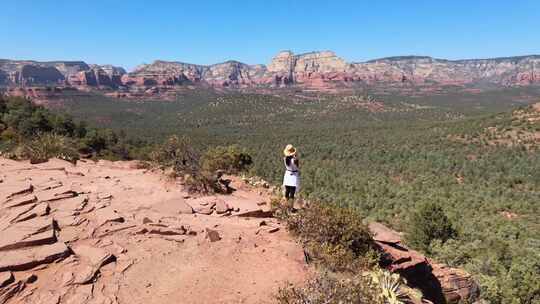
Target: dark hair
{"type": "Point", "coordinates": [289, 158]}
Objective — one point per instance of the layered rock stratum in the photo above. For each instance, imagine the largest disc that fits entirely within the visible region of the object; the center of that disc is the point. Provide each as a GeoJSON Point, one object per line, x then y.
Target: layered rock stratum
{"type": "Point", "coordinates": [315, 70]}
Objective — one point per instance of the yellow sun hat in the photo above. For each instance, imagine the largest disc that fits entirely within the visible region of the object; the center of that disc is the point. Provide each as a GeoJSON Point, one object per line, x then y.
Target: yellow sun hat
{"type": "Point", "coordinates": [289, 150]}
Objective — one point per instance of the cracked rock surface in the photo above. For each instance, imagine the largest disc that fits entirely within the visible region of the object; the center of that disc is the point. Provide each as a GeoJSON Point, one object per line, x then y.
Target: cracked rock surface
{"type": "Point", "coordinates": [107, 232]}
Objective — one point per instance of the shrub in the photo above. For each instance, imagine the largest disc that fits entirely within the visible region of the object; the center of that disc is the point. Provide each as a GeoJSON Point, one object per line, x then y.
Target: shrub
{"type": "Point", "coordinates": [428, 223]}
{"type": "Point", "coordinates": [177, 153]}
{"type": "Point", "coordinates": [46, 146]}
{"type": "Point", "coordinates": [333, 236]}
{"type": "Point", "coordinates": [231, 159]}
{"type": "Point", "coordinates": [329, 288]}
{"type": "Point", "coordinates": [391, 288]}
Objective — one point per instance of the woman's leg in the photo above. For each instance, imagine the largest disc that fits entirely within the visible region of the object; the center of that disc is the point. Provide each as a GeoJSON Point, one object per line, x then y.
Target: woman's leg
{"type": "Point", "coordinates": [288, 192]}
{"type": "Point", "coordinates": [292, 191]}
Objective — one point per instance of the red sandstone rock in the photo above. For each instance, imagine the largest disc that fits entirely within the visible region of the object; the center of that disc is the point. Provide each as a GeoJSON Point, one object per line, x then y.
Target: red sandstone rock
{"type": "Point", "coordinates": [92, 259]}
{"type": "Point", "coordinates": [439, 283]}
{"type": "Point", "coordinates": [6, 278]}
{"type": "Point", "coordinates": [259, 213]}
{"type": "Point", "coordinates": [173, 206]}
{"type": "Point", "coordinates": [30, 233]}
{"type": "Point", "coordinates": [23, 259]}
{"type": "Point", "coordinates": [222, 207]}
{"type": "Point", "coordinates": [212, 235]}
{"type": "Point", "coordinates": [107, 215]}
{"type": "Point", "coordinates": [204, 210]}
{"type": "Point", "coordinates": [167, 230]}
{"type": "Point", "coordinates": [21, 201]}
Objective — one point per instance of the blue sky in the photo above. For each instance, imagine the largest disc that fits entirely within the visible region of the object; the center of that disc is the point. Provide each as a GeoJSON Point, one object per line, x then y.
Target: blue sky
{"type": "Point", "coordinates": [131, 32]}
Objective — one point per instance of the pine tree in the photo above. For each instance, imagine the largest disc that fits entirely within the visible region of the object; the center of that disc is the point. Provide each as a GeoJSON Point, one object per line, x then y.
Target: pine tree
{"type": "Point", "coordinates": [428, 223]}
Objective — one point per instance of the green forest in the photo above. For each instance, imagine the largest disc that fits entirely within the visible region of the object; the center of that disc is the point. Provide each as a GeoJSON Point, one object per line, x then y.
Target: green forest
{"type": "Point", "coordinates": [384, 155]}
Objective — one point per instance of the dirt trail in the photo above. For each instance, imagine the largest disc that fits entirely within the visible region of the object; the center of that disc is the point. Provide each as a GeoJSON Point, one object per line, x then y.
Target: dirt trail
{"type": "Point", "coordinates": [107, 232]}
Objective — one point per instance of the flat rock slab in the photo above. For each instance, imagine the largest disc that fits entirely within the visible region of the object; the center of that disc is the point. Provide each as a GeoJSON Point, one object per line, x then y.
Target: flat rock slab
{"type": "Point", "coordinates": [24, 259]}
{"type": "Point", "coordinates": [29, 233]}
{"type": "Point", "coordinates": [41, 209]}
{"type": "Point", "coordinates": [17, 241]}
{"type": "Point", "coordinates": [52, 184]}
{"type": "Point", "coordinates": [77, 203]}
{"type": "Point", "coordinates": [173, 206]}
{"type": "Point", "coordinates": [93, 258]}
{"type": "Point", "coordinates": [8, 216]}
{"type": "Point", "coordinates": [56, 194]}
{"type": "Point", "coordinates": [107, 215]}
{"type": "Point", "coordinates": [166, 230]}
{"type": "Point", "coordinates": [16, 190]}
{"type": "Point", "coordinates": [382, 233]}
{"type": "Point", "coordinates": [21, 201]}
{"type": "Point", "coordinates": [259, 213]}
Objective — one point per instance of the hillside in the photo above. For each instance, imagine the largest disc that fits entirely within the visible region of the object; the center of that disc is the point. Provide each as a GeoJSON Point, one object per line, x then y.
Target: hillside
{"type": "Point", "coordinates": [384, 156]}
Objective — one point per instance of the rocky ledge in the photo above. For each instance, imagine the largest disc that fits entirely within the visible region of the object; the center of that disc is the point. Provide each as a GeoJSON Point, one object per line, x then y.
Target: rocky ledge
{"type": "Point", "coordinates": [111, 233]}
{"type": "Point", "coordinates": [438, 282]}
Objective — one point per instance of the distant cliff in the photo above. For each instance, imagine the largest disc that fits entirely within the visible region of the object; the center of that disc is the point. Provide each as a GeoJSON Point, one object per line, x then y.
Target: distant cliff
{"type": "Point", "coordinates": [33, 73]}
{"type": "Point", "coordinates": [313, 70]}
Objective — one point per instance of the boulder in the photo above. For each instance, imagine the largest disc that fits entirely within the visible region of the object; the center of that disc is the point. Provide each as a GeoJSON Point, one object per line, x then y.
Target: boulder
{"type": "Point", "coordinates": [438, 283]}
{"type": "Point", "coordinates": [222, 207]}
{"type": "Point", "coordinates": [457, 285]}
{"type": "Point", "coordinates": [204, 210]}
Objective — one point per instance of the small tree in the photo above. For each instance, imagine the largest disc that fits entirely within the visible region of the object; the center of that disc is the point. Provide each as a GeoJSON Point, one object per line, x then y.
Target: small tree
{"type": "Point", "coordinates": [177, 153]}
{"type": "Point", "coordinates": [230, 159]}
{"type": "Point", "coordinates": [427, 223]}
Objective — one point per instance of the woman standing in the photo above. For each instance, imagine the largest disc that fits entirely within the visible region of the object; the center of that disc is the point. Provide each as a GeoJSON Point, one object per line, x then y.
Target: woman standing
{"type": "Point", "coordinates": [291, 179]}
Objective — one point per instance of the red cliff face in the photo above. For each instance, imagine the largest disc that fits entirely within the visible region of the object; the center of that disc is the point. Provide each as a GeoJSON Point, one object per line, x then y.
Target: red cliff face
{"type": "Point", "coordinates": [76, 73]}
{"type": "Point", "coordinates": [325, 69]}
{"type": "Point", "coordinates": [315, 71]}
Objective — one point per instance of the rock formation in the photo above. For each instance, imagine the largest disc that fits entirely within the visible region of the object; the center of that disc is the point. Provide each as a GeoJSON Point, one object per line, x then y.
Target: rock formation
{"type": "Point", "coordinates": [438, 282]}
{"type": "Point", "coordinates": [32, 73]}
{"type": "Point", "coordinates": [315, 70]}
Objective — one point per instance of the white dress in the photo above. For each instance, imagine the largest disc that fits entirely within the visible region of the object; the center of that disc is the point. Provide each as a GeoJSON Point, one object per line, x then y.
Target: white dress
{"type": "Point", "coordinates": [292, 175]}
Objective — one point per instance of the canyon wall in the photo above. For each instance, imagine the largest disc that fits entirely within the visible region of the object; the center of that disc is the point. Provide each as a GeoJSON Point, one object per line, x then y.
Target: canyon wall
{"type": "Point", "coordinates": [310, 70]}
